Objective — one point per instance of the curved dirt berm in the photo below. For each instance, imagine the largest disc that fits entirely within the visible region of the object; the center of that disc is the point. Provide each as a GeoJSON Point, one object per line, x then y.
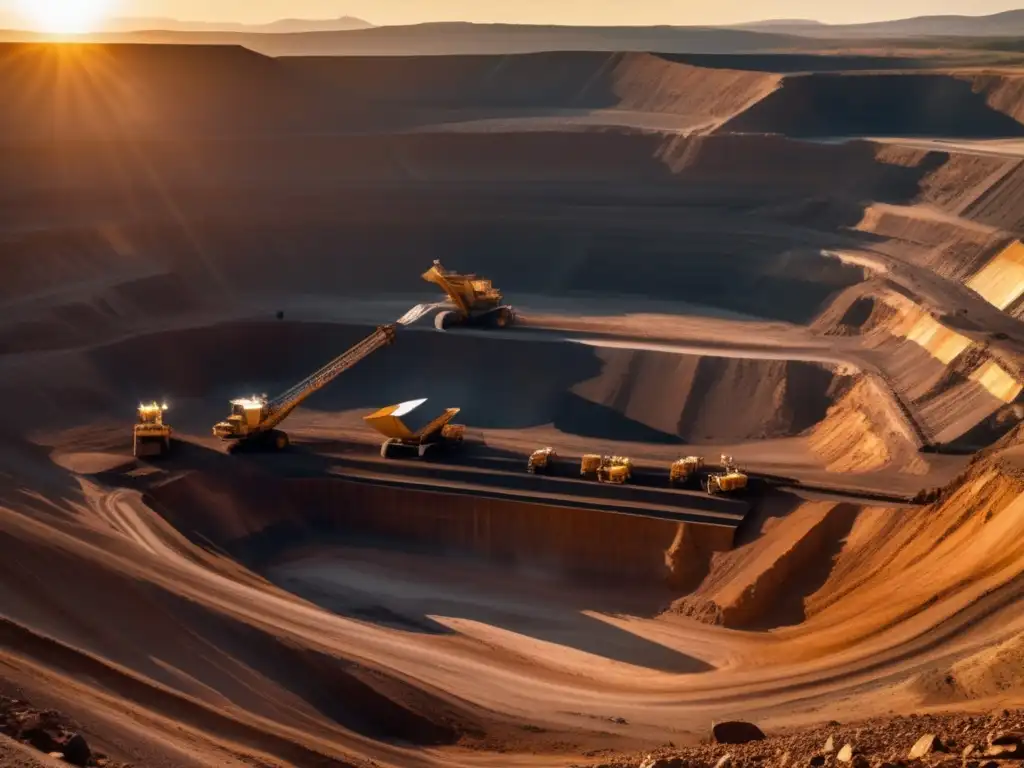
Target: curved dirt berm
{"type": "Point", "coordinates": [453, 88]}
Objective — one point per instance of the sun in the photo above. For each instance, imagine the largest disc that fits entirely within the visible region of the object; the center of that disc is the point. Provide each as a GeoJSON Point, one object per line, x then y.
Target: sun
{"type": "Point", "coordinates": [64, 16]}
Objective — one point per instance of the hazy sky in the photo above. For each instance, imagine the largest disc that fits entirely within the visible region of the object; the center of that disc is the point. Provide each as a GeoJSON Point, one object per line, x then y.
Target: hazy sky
{"type": "Point", "coordinates": [546, 11]}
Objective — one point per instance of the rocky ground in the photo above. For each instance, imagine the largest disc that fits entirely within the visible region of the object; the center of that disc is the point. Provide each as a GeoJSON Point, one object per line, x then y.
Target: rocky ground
{"type": "Point", "coordinates": [948, 740]}
{"type": "Point", "coordinates": [51, 733]}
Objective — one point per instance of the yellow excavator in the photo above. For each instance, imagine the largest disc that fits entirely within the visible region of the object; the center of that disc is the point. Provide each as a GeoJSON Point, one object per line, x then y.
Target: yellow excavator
{"type": "Point", "coordinates": [406, 431]}
{"type": "Point", "coordinates": [151, 436]}
{"type": "Point", "coordinates": [253, 420]}
{"type": "Point", "coordinates": [733, 480]}
{"type": "Point", "coordinates": [474, 300]}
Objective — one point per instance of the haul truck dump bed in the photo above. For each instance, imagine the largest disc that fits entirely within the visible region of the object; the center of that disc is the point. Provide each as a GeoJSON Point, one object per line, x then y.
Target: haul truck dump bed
{"type": "Point", "coordinates": [406, 427]}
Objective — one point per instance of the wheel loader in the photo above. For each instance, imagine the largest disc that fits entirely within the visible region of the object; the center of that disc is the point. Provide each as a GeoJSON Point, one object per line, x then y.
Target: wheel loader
{"type": "Point", "coordinates": [541, 461]}
{"type": "Point", "coordinates": [151, 436]}
{"type": "Point", "coordinates": [405, 432]}
{"type": "Point", "coordinates": [684, 469]}
{"type": "Point", "coordinates": [732, 480]}
{"type": "Point", "coordinates": [474, 300]}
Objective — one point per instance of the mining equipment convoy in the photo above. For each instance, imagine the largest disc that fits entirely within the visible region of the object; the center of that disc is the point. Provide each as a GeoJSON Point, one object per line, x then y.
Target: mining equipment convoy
{"type": "Point", "coordinates": [406, 433]}
{"type": "Point", "coordinates": [684, 469]}
{"type": "Point", "coordinates": [606, 469]}
{"type": "Point", "coordinates": [474, 300]}
{"type": "Point", "coordinates": [541, 461]}
{"type": "Point", "coordinates": [151, 436]}
{"type": "Point", "coordinates": [732, 480]}
{"type": "Point", "coordinates": [253, 420]}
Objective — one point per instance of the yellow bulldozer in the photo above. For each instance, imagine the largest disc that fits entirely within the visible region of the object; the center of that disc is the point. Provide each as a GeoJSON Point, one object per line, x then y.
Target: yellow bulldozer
{"type": "Point", "coordinates": [684, 469]}
{"type": "Point", "coordinates": [151, 436]}
{"type": "Point", "coordinates": [607, 469]}
{"type": "Point", "coordinates": [405, 431]}
{"type": "Point", "coordinates": [732, 480]}
{"type": "Point", "coordinates": [473, 299]}
{"type": "Point", "coordinates": [541, 461]}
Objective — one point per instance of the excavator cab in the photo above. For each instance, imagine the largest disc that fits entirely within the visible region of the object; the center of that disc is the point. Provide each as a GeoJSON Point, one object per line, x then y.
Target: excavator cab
{"type": "Point", "coordinates": [244, 419]}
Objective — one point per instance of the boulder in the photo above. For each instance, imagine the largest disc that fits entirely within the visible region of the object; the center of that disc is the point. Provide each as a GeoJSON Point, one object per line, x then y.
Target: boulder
{"type": "Point", "coordinates": [845, 754]}
{"type": "Point", "coordinates": [1006, 744]}
{"type": "Point", "coordinates": [76, 750]}
{"type": "Point", "coordinates": [926, 745]}
{"type": "Point", "coordinates": [663, 762]}
{"type": "Point", "coordinates": [830, 746]}
{"type": "Point", "coordinates": [736, 732]}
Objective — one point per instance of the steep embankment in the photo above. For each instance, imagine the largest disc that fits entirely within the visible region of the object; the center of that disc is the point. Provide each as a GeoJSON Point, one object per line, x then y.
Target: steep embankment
{"type": "Point", "coordinates": [958, 391]}
{"type": "Point", "coordinates": [826, 570]}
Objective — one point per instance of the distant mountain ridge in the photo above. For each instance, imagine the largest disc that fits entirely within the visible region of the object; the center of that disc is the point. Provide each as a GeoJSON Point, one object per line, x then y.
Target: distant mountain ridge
{"type": "Point", "coordinates": [1004, 24]}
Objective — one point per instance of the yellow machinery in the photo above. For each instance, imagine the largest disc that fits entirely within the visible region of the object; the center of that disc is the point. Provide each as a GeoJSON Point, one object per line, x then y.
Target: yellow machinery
{"type": "Point", "coordinates": [152, 437]}
{"type": "Point", "coordinates": [607, 469]}
{"type": "Point", "coordinates": [541, 461]}
{"type": "Point", "coordinates": [730, 481]}
{"type": "Point", "coordinates": [615, 469]}
{"type": "Point", "coordinates": [474, 300]}
{"type": "Point", "coordinates": [590, 463]}
{"type": "Point", "coordinates": [683, 469]}
{"type": "Point", "coordinates": [404, 430]}
{"type": "Point", "coordinates": [253, 419]}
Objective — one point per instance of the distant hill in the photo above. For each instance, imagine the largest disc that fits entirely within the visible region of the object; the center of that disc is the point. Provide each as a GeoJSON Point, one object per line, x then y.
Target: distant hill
{"type": "Point", "coordinates": [783, 23]}
{"type": "Point", "coordinates": [287, 26]}
{"type": "Point", "coordinates": [1005, 24]}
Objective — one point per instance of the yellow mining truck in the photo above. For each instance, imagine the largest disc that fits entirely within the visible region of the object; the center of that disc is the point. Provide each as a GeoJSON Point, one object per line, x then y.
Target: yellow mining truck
{"type": "Point", "coordinates": [151, 436]}
{"type": "Point", "coordinates": [405, 430]}
{"type": "Point", "coordinates": [473, 299]}
{"type": "Point", "coordinates": [732, 480]}
{"type": "Point", "coordinates": [541, 461]}
{"type": "Point", "coordinates": [684, 469]}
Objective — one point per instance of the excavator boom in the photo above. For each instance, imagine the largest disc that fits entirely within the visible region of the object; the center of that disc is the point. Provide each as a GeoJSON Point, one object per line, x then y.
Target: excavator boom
{"type": "Point", "coordinates": [282, 405]}
{"type": "Point", "coordinates": [256, 416]}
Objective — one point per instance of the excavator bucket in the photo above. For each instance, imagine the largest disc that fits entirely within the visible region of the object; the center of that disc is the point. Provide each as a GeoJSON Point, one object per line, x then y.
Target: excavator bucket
{"type": "Point", "coordinates": [406, 422]}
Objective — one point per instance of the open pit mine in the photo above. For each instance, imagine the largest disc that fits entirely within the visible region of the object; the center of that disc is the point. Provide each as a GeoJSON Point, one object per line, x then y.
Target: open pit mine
{"type": "Point", "coordinates": [517, 410]}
